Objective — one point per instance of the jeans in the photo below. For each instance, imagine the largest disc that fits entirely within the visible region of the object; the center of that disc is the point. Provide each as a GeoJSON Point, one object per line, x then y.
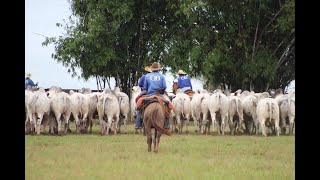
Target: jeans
{"type": "Point", "coordinates": [138, 121]}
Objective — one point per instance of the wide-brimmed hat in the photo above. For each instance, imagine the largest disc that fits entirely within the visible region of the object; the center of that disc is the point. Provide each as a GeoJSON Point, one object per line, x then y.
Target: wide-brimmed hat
{"type": "Point", "coordinates": [155, 66]}
{"type": "Point", "coordinates": [147, 68]}
{"type": "Point", "coordinates": [181, 72]}
{"type": "Point", "coordinates": [28, 75]}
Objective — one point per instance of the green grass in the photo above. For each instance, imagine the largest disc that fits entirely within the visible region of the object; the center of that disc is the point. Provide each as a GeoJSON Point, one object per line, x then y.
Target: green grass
{"type": "Point", "coordinates": [186, 156]}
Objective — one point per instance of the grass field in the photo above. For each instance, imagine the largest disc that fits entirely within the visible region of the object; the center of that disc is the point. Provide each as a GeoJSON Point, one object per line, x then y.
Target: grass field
{"type": "Point", "coordinates": [186, 156]}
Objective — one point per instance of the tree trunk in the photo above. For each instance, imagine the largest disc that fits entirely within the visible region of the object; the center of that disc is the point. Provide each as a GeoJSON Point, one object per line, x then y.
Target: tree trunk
{"type": "Point", "coordinates": [251, 86]}
{"type": "Point", "coordinates": [97, 83]}
{"type": "Point", "coordinates": [256, 34]}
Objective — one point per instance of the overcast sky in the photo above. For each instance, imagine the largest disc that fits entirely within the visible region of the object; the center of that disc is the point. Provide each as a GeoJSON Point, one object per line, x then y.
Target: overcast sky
{"type": "Point", "coordinates": [41, 17]}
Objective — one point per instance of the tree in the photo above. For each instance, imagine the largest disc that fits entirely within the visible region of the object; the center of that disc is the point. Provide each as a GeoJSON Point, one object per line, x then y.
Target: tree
{"type": "Point", "coordinates": [247, 44]}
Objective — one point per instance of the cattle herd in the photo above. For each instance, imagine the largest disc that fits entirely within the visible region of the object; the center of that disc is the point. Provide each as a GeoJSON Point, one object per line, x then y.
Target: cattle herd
{"type": "Point", "coordinates": [243, 111]}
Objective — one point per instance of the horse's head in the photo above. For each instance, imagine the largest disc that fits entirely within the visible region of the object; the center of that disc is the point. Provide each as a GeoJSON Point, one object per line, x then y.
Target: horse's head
{"type": "Point", "coordinates": [174, 87]}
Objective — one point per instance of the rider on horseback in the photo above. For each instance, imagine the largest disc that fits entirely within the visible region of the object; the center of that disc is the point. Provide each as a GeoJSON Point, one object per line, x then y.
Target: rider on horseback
{"type": "Point", "coordinates": [184, 82]}
{"type": "Point", "coordinates": [29, 82]}
{"type": "Point", "coordinates": [155, 84]}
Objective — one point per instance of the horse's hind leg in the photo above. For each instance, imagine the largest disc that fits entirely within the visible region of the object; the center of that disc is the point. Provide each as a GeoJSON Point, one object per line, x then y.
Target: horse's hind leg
{"type": "Point", "coordinates": [155, 148]}
{"type": "Point", "coordinates": [149, 138]}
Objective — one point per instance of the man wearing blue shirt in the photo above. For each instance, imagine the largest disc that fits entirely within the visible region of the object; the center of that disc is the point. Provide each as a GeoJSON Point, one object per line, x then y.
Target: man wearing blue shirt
{"type": "Point", "coordinates": [154, 81]}
{"type": "Point", "coordinates": [184, 81]}
{"type": "Point", "coordinates": [28, 81]}
{"type": "Point", "coordinates": [155, 84]}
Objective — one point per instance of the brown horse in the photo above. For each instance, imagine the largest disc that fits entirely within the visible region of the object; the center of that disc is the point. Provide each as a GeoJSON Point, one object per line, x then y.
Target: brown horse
{"type": "Point", "coordinates": [154, 117]}
{"type": "Point", "coordinates": [174, 87]}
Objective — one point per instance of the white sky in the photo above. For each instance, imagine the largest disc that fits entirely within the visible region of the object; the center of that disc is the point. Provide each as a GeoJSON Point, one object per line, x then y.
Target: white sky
{"type": "Point", "coordinates": [41, 17]}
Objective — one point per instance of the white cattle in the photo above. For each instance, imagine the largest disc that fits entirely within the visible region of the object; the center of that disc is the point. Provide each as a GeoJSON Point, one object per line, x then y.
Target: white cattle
{"type": "Point", "coordinates": [136, 90]}
{"type": "Point", "coordinates": [38, 106]}
{"type": "Point", "coordinates": [61, 107]}
{"type": "Point", "coordinates": [79, 109]}
{"type": "Point", "coordinates": [182, 110]}
{"type": "Point", "coordinates": [238, 92]}
{"type": "Point", "coordinates": [262, 95]}
{"type": "Point", "coordinates": [196, 108]}
{"type": "Point", "coordinates": [218, 107]}
{"type": "Point", "coordinates": [53, 90]}
{"type": "Point", "coordinates": [249, 104]}
{"type": "Point", "coordinates": [244, 94]}
{"type": "Point", "coordinates": [205, 113]}
{"type": "Point", "coordinates": [85, 90]}
{"type": "Point", "coordinates": [200, 110]}
{"type": "Point", "coordinates": [268, 112]}
{"type": "Point", "coordinates": [235, 110]}
{"type": "Point", "coordinates": [93, 101]}
{"type": "Point", "coordinates": [123, 99]}
{"type": "Point", "coordinates": [108, 105]}
{"type": "Point", "coordinates": [27, 121]}
{"type": "Point", "coordinates": [287, 110]}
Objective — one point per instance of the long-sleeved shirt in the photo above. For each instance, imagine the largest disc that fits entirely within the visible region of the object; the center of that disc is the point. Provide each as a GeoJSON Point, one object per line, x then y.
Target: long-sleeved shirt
{"type": "Point", "coordinates": [141, 81]}
{"type": "Point", "coordinates": [28, 82]}
{"type": "Point", "coordinates": [184, 81]}
{"type": "Point", "coordinates": [154, 81]}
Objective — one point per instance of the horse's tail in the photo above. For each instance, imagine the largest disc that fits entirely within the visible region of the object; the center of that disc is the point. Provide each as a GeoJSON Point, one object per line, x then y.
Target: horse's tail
{"type": "Point", "coordinates": [154, 116]}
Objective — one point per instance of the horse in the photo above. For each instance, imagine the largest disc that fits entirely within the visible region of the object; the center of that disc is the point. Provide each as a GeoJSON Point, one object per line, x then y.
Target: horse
{"type": "Point", "coordinates": [174, 87]}
{"type": "Point", "coordinates": [154, 117]}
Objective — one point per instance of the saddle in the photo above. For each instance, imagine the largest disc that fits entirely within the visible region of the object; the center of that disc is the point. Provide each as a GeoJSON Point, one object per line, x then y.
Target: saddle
{"type": "Point", "coordinates": [143, 102]}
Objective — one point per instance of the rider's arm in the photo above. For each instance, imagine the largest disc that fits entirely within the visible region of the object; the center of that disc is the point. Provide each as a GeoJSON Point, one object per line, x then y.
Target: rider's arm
{"type": "Point", "coordinates": [145, 84]}
{"type": "Point", "coordinates": [30, 82]}
{"type": "Point", "coordinates": [179, 83]}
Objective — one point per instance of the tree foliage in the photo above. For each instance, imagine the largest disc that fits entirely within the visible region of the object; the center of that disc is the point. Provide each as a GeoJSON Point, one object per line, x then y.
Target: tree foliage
{"type": "Point", "coordinates": [247, 44]}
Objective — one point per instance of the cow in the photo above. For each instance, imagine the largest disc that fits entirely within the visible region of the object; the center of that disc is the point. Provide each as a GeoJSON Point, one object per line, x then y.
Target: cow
{"type": "Point", "coordinates": [28, 94]}
{"type": "Point", "coordinates": [60, 105]}
{"type": "Point", "coordinates": [182, 110]}
{"type": "Point", "coordinates": [85, 90]}
{"type": "Point", "coordinates": [136, 90]}
{"type": "Point", "coordinates": [38, 106]}
{"type": "Point", "coordinates": [218, 107]}
{"type": "Point", "coordinates": [93, 101]}
{"type": "Point", "coordinates": [249, 104]}
{"type": "Point", "coordinates": [287, 110]}
{"type": "Point", "coordinates": [235, 110]}
{"type": "Point", "coordinates": [196, 108]}
{"type": "Point", "coordinates": [200, 109]}
{"type": "Point", "coordinates": [268, 111]}
{"type": "Point", "coordinates": [53, 90]}
{"type": "Point", "coordinates": [124, 103]}
{"type": "Point", "coordinates": [79, 109]}
{"type": "Point", "coordinates": [108, 105]}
